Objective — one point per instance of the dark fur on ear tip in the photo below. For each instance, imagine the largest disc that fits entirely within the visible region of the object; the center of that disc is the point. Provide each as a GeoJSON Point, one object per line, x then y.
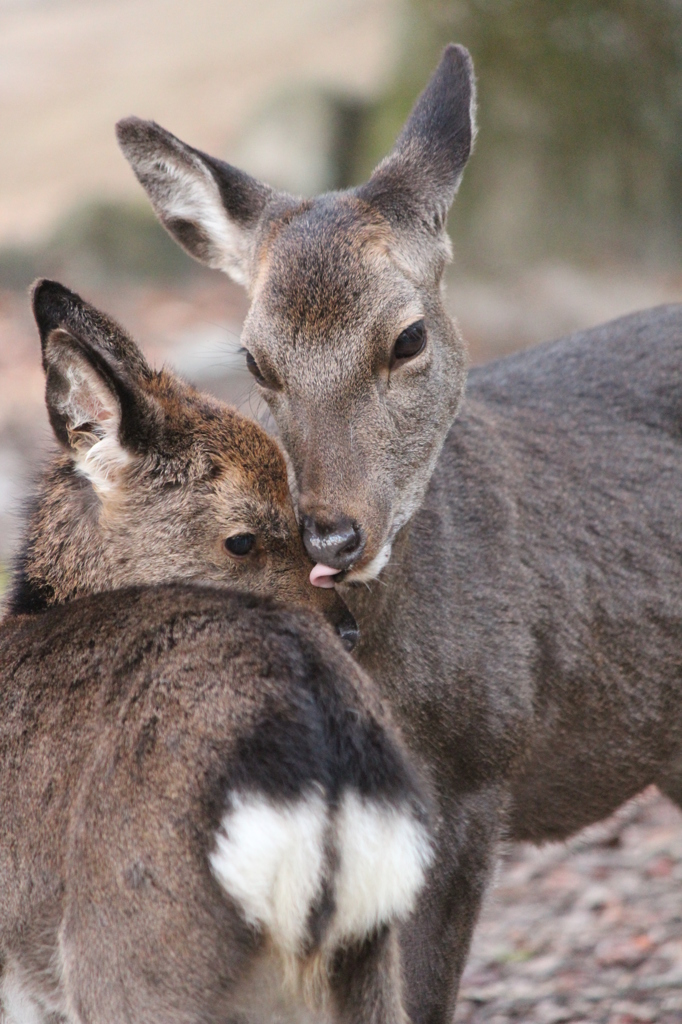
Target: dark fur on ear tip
{"type": "Point", "coordinates": [421, 175]}
{"type": "Point", "coordinates": [55, 306]}
{"type": "Point", "coordinates": [418, 180]}
{"type": "Point", "coordinates": [140, 419]}
{"type": "Point", "coordinates": [442, 117]}
{"type": "Point", "coordinates": [127, 129]}
{"type": "Point", "coordinates": [138, 137]}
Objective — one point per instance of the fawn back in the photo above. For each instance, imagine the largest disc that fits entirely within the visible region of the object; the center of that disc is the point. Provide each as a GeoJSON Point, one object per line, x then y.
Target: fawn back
{"type": "Point", "coordinates": [206, 816]}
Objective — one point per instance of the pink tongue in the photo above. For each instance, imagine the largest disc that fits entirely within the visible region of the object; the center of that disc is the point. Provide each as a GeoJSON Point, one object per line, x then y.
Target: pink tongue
{"type": "Point", "coordinates": [321, 575]}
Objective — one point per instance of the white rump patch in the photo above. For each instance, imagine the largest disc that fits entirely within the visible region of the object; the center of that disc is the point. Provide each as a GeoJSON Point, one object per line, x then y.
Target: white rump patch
{"type": "Point", "coordinates": [384, 853]}
{"type": "Point", "coordinates": [270, 858]}
{"type": "Point", "coordinates": [17, 1002]}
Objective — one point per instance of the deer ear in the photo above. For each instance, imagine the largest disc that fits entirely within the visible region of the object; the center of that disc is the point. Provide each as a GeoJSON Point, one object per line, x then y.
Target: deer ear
{"type": "Point", "coordinates": [418, 180]}
{"type": "Point", "coordinates": [84, 410]}
{"type": "Point", "coordinates": [93, 371]}
{"type": "Point", "coordinates": [209, 207]}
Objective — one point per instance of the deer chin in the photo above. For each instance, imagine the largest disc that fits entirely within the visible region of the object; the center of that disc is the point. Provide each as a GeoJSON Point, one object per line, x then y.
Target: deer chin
{"type": "Point", "coordinates": [371, 570]}
{"type": "Point", "coordinates": [323, 575]}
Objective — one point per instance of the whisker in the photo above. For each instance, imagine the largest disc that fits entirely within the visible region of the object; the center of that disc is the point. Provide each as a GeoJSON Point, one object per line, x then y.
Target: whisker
{"type": "Point", "coordinates": [221, 327]}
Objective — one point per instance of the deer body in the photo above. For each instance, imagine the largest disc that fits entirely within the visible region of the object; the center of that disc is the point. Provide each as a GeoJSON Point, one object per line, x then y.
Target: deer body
{"type": "Point", "coordinates": [578, 597]}
{"type": "Point", "coordinates": [528, 630]}
{"type": "Point", "coordinates": [516, 574]}
{"type": "Point", "coordinates": [206, 812]}
{"type": "Point", "coordinates": [185, 806]}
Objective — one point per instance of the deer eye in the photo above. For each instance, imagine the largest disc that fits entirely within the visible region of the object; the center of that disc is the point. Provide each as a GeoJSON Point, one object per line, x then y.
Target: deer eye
{"type": "Point", "coordinates": [409, 342]}
{"type": "Point", "coordinates": [252, 367]}
{"type": "Point", "coordinates": [240, 544]}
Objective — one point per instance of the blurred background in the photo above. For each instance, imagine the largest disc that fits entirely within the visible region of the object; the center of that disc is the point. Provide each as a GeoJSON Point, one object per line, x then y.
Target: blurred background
{"type": "Point", "coordinates": [570, 212]}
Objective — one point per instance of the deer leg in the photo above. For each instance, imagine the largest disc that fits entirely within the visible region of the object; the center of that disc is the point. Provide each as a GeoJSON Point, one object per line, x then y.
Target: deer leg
{"type": "Point", "coordinates": [366, 982]}
{"type": "Point", "coordinates": [670, 781]}
{"type": "Point", "coordinates": [435, 940]}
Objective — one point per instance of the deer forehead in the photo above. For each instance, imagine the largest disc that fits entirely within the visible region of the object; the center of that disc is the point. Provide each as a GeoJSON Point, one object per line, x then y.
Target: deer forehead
{"type": "Point", "coordinates": [332, 272]}
{"type": "Point", "coordinates": [203, 439]}
{"type": "Point", "coordinates": [222, 470]}
{"type": "Point", "coordinates": [253, 466]}
{"type": "Point", "coordinates": [197, 513]}
{"type": "Point", "coordinates": [252, 504]}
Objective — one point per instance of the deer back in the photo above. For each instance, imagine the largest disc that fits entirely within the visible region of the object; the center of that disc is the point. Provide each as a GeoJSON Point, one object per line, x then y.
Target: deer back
{"type": "Point", "coordinates": [198, 789]}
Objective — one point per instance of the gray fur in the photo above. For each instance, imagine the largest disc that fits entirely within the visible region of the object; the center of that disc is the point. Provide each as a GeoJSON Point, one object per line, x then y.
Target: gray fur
{"type": "Point", "coordinates": [527, 629]}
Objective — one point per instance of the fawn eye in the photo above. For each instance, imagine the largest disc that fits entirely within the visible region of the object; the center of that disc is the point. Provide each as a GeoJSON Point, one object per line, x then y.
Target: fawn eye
{"type": "Point", "coordinates": [409, 342]}
{"type": "Point", "coordinates": [240, 544]}
{"type": "Point", "coordinates": [252, 367]}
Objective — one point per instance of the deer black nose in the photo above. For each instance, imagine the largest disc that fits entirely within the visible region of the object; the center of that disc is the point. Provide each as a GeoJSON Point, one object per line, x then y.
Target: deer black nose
{"type": "Point", "coordinates": [337, 544]}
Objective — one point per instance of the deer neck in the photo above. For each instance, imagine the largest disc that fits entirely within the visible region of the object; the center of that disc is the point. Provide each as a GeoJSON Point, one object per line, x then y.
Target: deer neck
{"type": "Point", "coordinates": [374, 603]}
{"type": "Point", "coordinates": [63, 554]}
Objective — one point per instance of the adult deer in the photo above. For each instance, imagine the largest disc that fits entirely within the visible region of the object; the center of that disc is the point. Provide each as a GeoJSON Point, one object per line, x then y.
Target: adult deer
{"type": "Point", "coordinates": [206, 812]}
{"type": "Point", "coordinates": [522, 599]}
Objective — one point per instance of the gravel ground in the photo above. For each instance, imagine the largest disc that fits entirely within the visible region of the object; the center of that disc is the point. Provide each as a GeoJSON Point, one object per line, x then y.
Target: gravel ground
{"type": "Point", "coordinates": [590, 931]}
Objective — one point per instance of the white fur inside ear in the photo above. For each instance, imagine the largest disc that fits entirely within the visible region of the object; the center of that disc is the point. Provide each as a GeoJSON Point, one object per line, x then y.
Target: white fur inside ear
{"type": "Point", "coordinates": [92, 414]}
{"type": "Point", "coordinates": [102, 463]}
{"type": "Point", "coordinates": [193, 195]}
{"type": "Point", "coordinates": [269, 857]}
{"type": "Point", "coordinates": [383, 856]}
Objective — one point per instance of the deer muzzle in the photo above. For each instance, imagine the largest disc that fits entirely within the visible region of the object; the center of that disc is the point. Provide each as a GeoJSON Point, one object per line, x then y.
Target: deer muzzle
{"type": "Point", "coordinates": [336, 545]}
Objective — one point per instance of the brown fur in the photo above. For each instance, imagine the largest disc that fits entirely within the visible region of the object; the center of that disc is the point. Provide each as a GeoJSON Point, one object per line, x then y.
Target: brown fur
{"type": "Point", "coordinates": [133, 717]}
{"type": "Point", "coordinates": [128, 718]}
{"type": "Point", "coordinates": [196, 472]}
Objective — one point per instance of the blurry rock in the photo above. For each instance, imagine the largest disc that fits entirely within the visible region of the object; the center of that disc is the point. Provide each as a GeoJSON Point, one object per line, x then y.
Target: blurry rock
{"type": "Point", "coordinates": [630, 953]}
{"type": "Point", "coordinates": [103, 238]}
{"type": "Point", "coordinates": [303, 141]}
{"type": "Point", "coordinates": [98, 241]}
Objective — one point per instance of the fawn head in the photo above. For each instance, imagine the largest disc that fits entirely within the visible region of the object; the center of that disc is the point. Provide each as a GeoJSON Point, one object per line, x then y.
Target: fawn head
{"type": "Point", "coordinates": [155, 482]}
{"type": "Point", "coordinates": [347, 334]}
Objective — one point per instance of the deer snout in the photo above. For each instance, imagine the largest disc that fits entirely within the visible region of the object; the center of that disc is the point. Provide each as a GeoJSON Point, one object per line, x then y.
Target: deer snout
{"type": "Point", "coordinates": [338, 544]}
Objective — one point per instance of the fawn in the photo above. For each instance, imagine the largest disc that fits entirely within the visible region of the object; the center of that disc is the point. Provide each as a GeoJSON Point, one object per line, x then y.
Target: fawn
{"type": "Point", "coordinates": [154, 481]}
{"type": "Point", "coordinates": [206, 812]}
{"type": "Point", "coordinates": [512, 553]}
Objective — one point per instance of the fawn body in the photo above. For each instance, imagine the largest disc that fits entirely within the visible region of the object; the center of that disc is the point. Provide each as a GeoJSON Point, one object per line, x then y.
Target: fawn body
{"type": "Point", "coordinates": [207, 815]}
{"type": "Point", "coordinates": [522, 600]}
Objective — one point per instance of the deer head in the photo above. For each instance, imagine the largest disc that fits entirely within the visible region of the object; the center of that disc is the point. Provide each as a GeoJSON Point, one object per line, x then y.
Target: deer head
{"type": "Point", "coordinates": [155, 482]}
{"type": "Point", "coordinates": [347, 335]}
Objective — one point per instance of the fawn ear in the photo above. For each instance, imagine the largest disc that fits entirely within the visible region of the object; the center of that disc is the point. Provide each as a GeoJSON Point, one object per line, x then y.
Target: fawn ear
{"type": "Point", "coordinates": [93, 392]}
{"type": "Point", "coordinates": [209, 207]}
{"type": "Point", "coordinates": [417, 182]}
